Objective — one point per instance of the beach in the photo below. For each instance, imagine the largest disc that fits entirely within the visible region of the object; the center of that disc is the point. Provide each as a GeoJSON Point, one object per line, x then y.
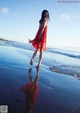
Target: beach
{"type": "Point", "coordinates": [57, 89]}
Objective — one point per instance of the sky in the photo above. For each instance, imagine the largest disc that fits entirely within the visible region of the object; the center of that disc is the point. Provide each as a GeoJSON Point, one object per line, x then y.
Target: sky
{"type": "Point", "coordinates": [19, 21]}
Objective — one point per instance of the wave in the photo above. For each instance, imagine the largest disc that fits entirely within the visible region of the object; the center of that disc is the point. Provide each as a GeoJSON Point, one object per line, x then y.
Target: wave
{"type": "Point", "coordinates": [68, 53]}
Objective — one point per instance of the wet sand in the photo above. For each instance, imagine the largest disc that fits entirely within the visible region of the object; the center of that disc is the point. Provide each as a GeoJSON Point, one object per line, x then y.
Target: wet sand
{"type": "Point", "coordinates": [52, 92]}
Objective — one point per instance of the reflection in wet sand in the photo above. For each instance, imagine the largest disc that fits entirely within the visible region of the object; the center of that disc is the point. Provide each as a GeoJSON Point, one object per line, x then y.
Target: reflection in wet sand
{"type": "Point", "coordinates": [31, 90]}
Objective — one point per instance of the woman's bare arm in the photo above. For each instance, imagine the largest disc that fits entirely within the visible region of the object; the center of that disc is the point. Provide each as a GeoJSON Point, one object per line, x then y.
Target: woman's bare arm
{"type": "Point", "coordinates": [42, 26]}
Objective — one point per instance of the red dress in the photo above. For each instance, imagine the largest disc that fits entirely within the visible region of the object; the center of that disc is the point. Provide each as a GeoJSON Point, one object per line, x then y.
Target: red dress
{"type": "Point", "coordinates": [37, 43]}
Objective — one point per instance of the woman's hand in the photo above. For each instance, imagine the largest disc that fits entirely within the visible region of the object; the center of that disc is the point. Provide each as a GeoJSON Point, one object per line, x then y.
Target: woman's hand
{"type": "Point", "coordinates": [30, 41]}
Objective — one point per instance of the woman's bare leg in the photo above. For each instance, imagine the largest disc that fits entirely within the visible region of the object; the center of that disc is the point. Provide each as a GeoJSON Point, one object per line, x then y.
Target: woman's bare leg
{"type": "Point", "coordinates": [32, 59]}
{"type": "Point", "coordinates": [40, 57]}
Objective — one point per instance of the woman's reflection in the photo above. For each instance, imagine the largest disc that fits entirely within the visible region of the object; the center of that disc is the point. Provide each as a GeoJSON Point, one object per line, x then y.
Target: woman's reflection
{"type": "Point", "coordinates": [31, 90]}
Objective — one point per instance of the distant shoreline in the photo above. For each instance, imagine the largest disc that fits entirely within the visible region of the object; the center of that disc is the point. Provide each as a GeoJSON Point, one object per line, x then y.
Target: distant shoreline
{"type": "Point", "coordinates": [1, 39]}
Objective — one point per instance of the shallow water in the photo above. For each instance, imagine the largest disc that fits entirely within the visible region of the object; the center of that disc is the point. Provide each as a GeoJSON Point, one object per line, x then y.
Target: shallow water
{"type": "Point", "coordinates": [53, 92]}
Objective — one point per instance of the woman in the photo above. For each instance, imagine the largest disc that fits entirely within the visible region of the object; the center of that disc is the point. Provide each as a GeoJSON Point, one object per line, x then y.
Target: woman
{"type": "Point", "coordinates": [39, 42]}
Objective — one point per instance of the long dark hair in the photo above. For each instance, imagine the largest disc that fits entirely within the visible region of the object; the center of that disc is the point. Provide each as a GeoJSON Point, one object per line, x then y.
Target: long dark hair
{"type": "Point", "coordinates": [43, 15]}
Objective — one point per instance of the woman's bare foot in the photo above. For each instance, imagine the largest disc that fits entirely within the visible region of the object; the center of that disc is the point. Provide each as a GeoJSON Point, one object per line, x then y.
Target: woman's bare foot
{"type": "Point", "coordinates": [38, 67]}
